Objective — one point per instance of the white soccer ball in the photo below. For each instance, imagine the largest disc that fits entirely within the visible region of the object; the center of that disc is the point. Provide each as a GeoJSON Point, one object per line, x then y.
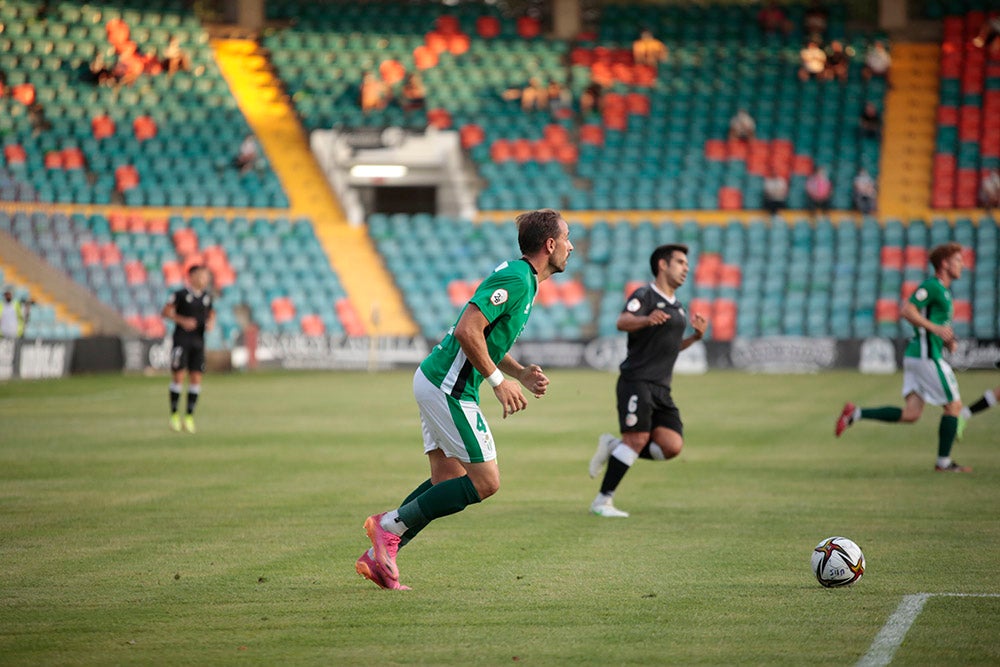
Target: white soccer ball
{"type": "Point", "coordinates": [837, 561]}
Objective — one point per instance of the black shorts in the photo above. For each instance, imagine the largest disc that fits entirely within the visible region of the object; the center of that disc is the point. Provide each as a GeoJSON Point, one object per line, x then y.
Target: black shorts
{"type": "Point", "coordinates": [643, 406]}
{"type": "Point", "coordinates": [187, 356]}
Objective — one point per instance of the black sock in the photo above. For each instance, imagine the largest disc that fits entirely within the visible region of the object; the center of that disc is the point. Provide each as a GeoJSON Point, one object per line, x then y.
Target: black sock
{"type": "Point", "coordinates": [979, 405]}
{"type": "Point", "coordinates": [613, 475]}
{"type": "Point", "coordinates": [644, 454]}
{"type": "Point", "coordinates": [192, 401]}
{"type": "Point", "coordinates": [175, 397]}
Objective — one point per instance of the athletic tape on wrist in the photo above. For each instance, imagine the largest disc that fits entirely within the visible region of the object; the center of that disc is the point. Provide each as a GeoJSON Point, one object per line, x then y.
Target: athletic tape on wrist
{"type": "Point", "coordinates": [495, 378]}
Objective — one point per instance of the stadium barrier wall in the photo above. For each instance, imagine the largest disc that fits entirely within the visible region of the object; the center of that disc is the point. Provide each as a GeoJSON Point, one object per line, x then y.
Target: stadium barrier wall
{"type": "Point", "coordinates": [35, 358]}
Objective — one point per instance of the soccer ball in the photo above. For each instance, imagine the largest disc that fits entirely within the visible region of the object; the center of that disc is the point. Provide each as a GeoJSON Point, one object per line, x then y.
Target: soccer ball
{"type": "Point", "coordinates": [837, 561]}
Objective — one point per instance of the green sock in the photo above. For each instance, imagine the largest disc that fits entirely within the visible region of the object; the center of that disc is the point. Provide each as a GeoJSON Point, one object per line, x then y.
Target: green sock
{"type": "Point", "coordinates": [886, 414]}
{"type": "Point", "coordinates": [442, 499]}
{"type": "Point", "coordinates": [946, 434]}
{"type": "Point", "coordinates": [426, 484]}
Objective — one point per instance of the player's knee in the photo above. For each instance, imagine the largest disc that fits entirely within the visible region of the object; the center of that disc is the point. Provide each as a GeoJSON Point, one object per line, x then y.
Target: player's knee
{"type": "Point", "coordinates": [672, 447]}
{"type": "Point", "coordinates": [486, 487]}
{"type": "Point", "coordinates": [909, 416]}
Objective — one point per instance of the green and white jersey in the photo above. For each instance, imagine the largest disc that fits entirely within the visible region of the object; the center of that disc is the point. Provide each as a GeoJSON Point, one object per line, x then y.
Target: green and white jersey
{"type": "Point", "coordinates": [933, 300]}
{"type": "Point", "coordinates": [505, 298]}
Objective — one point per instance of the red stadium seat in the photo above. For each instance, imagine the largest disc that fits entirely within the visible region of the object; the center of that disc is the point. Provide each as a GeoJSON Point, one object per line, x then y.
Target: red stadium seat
{"type": "Point", "coordinates": [886, 310]}
{"type": "Point", "coordinates": [915, 257]}
{"type": "Point", "coordinates": [892, 257]}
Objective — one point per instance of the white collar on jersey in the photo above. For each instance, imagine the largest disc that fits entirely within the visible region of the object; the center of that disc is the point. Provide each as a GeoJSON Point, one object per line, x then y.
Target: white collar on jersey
{"type": "Point", "coordinates": [670, 299]}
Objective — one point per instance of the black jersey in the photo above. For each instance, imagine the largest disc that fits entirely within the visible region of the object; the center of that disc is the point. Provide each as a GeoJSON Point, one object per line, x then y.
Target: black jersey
{"type": "Point", "coordinates": [653, 350]}
{"type": "Point", "coordinates": [189, 304]}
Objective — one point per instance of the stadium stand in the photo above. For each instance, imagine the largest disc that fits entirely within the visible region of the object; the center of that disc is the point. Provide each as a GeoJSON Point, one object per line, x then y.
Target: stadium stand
{"type": "Point", "coordinates": [272, 268]}
{"type": "Point", "coordinates": [659, 140]}
{"type": "Point", "coordinates": [162, 140]}
{"type": "Point", "coordinates": [968, 117]}
{"type": "Point", "coordinates": [763, 278]}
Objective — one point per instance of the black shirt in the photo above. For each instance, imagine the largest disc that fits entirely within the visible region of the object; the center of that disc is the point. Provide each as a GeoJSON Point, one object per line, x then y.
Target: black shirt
{"type": "Point", "coordinates": [190, 304]}
{"type": "Point", "coordinates": [653, 350]}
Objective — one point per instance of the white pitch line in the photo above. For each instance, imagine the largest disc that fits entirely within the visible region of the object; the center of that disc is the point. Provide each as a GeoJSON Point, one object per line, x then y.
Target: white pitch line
{"type": "Point", "coordinates": [891, 636]}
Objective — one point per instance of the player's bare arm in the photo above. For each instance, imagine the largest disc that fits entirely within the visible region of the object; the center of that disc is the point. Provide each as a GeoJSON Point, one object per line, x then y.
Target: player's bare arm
{"type": "Point", "coordinates": [469, 334]}
{"type": "Point", "coordinates": [531, 376]}
{"type": "Point", "coordinates": [699, 323]}
{"type": "Point", "coordinates": [913, 316]}
{"type": "Point", "coordinates": [630, 322]}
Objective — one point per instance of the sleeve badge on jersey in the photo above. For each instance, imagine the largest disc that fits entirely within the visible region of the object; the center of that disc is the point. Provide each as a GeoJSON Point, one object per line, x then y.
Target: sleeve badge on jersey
{"type": "Point", "coordinates": [498, 297]}
{"type": "Point", "coordinates": [633, 305]}
{"type": "Point", "coordinates": [920, 294]}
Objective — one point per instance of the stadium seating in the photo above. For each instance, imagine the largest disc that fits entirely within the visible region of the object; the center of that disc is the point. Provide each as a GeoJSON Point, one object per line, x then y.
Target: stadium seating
{"type": "Point", "coordinates": [166, 140]}
{"type": "Point", "coordinates": [273, 269]}
{"type": "Point", "coordinates": [764, 278]}
{"type": "Point", "coordinates": [968, 118]}
{"type": "Point", "coordinates": [653, 144]}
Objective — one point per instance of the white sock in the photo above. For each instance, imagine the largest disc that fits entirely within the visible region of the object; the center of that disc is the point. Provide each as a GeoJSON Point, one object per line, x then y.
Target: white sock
{"type": "Point", "coordinates": [176, 388]}
{"type": "Point", "coordinates": [944, 461]}
{"type": "Point", "coordinates": [990, 397]}
{"type": "Point", "coordinates": [857, 415]}
{"type": "Point", "coordinates": [656, 452]}
{"type": "Point", "coordinates": [392, 523]}
{"type": "Point", "coordinates": [603, 498]}
{"type": "Point", "coordinates": [625, 454]}
{"type": "Point", "coordinates": [965, 412]}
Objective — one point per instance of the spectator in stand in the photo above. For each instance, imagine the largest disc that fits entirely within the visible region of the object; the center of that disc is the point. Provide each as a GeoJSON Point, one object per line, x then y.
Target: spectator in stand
{"type": "Point", "coordinates": [534, 96]}
{"type": "Point", "coordinates": [877, 62]}
{"type": "Point", "coordinates": [39, 122]}
{"type": "Point", "coordinates": [374, 93]}
{"type": "Point", "coordinates": [772, 18]}
{"type": "Point", "coordinates": [813, 61]}
{"type": "Point", "coordinates": [98, 72]}
{"type": "Point", "coordinates": [590, 98]}
{"type": "Point", "coordinates": [414, 93]}
{"type": "Point", "coordinates": [151, 63]}
{"type": "Point", "coordinates": [865, 192]}
{"type": "Point", "coordinates": [819, 188]}
{"type": "Point", "coordinates": [815, 21]}
{"type": "Point", "coordinates": [3, 83]}
{"type": "Point", "coordinates": [742, 126]}
{"type": "Point", "coordinates": [838, 60]}
{"type": "Point", "coordinates": [870, 121]}
{"type": "Point", "coordinates": [559, 97]}
{"type": "Point", "coordinates": [246, 158]}
{"type": "Point", "coordinates": [174, 58]}
{"type": "Point", "coordinates": [647, 50]}
{"type": "Point", "coordinates": [775, 193]}
{"type": "Point", "coordinates": [129, 66]}
{"type": "Point", "coordinates": [989, 36]}
{"type": "Point", "coordinates": [989, 190]}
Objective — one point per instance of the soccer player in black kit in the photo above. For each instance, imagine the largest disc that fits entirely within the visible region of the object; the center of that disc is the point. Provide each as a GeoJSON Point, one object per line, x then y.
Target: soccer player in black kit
{"type": "Point", "coordinates": [650, 423]}
{"type": "Point", "coordinates": [191, 311]}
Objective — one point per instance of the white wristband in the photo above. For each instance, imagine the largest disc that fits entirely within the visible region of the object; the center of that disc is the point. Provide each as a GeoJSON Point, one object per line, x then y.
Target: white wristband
{"type": "Point", "coordinates": [495, 378]}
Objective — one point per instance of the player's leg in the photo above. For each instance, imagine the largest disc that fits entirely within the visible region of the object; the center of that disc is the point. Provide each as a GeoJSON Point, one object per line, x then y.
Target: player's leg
{"type": "Point", "coordinates": [178, 366]}
{"type": "Point", "coordinates": [196, 370]}
{"type": "Point", "coordinates": [917, 374]}
{"type": "Point", "coordinates": [459, 446]}
{"type": "Point", "coordinates": [635, 415]}
{"type": "Point", "coordinates": [989, 398]}
{"type": "Point", "coordinates": [945, 393]}
{"type": "Point", "coordinates": [667, 438]}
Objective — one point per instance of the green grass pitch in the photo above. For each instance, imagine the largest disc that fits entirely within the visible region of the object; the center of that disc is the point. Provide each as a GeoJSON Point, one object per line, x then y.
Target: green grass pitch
{"type": "Point", "coordinates": [124, 543]}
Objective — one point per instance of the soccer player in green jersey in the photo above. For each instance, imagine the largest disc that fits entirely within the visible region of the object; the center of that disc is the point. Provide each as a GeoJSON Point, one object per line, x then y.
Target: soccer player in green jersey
{"type": "Point", "coordinates": [457, 440]}
{"type": "Point", "coordinates": [927, 377]}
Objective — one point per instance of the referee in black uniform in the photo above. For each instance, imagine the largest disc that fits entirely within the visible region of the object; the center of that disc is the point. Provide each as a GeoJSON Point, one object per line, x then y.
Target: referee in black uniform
{"type": "Point", "coordinates": [191, 311]}
{"type": "Point", "coordinates": [650, 423]}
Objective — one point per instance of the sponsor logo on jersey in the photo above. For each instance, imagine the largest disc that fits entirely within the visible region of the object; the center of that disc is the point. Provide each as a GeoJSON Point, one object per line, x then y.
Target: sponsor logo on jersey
{"type": "Point", "coordinates": [920, 294]}
{"type": "Point", "coordinates": [498, 297]}
{"type": "Point", "coordinates": [633, 305]}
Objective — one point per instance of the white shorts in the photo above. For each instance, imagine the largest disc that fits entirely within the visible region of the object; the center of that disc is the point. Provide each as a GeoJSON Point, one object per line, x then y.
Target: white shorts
{"type": "Point", "coordinates": [931, 379]}
{"type": "Point", "coordinates": [456, 427]}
